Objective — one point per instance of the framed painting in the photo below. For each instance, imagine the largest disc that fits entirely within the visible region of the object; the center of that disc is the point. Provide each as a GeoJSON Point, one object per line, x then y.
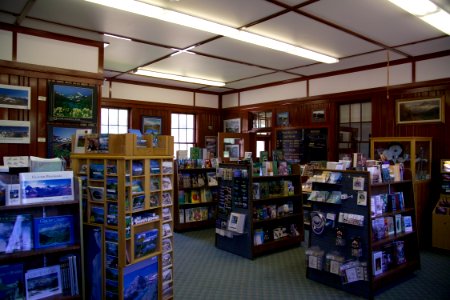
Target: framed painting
{"type": "Point", "coordinates": [283, 119]}
{"type": "Point", "coordinates": [59, 141]}
{"type": "Point", "coordinates": [151, 125]}
{"type": "Point", "coordinates": [318, 115]}
{"type": "Point", "coordinates": [12, 96]}
{"type": "Point", "coordinates": [232, 125]}
{"type": "Point", "coordinates": [14, 132]}
{"type": "Point", "coordinates": [428, 110]}
{"type": "Point", "coordinates": [72, 103]}
{"type": "Point", "coordinates": [211, 145]}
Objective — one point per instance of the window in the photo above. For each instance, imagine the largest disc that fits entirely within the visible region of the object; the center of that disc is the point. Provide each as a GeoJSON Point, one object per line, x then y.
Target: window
{"type": "Point", "coordinates": [183, 131]}
{"type": "Point", "coordinates": [355, 126]}
{"type": "Point", "coordinates": [262, 119]}
{"type": "Point", "coordinates": [114, 120]}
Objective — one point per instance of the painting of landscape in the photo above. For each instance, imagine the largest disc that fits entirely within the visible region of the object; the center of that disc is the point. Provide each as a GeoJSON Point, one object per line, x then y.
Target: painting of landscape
{"type": "Point", "coordinates": [14, 96]}
{"type": "Point", "coordinates": [72, 103]}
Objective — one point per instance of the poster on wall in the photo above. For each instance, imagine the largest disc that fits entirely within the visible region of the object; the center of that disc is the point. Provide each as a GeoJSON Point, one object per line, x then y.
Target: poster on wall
{"type": "Point", "coordinates": [12, 96]}
{"type": "Point", "coordinates": [14, 132]}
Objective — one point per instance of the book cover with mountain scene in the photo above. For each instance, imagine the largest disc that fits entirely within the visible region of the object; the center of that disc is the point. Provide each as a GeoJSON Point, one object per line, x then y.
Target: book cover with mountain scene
{"type": "Point", "coordinates": [53, 231]}
{"type": "Point", "coordinates": [141, 280]}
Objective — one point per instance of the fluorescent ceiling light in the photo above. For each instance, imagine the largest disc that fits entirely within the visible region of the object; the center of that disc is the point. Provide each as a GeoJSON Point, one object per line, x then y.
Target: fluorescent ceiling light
{"type": "Point", "coordinates": [145, 72]}
{"type": "Point", "coordinates": [159, 13]}
{"type": "Point", "coordinates": [428, 12]}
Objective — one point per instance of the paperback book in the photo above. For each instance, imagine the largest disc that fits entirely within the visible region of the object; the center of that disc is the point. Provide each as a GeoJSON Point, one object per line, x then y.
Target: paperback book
{"type": "Point", "coordinates": [145, 243]}
{"type": "Point", "coordinates": [54, 231]}
{"type": "Point", "coordinates": [140, 280]}
{"type": "Point", "coordinates": [43, 282]}
{"type": "Point", "coordinates": [11, 279]}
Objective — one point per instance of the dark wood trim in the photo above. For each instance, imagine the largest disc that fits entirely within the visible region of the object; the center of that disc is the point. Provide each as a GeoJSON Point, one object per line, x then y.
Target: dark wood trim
{"type": "Point", "coordinates": [31, 70]}
{"type": "Point", "coordinates": [126, 103]}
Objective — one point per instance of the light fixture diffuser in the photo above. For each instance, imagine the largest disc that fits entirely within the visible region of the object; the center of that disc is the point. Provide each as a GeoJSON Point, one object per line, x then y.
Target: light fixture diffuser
{"type": "Point", "coordinates": [159, 13]}
{"type": "Point", "coordinates": [145, 72]}
{"type": "Point", "coordinates": [426, 11]}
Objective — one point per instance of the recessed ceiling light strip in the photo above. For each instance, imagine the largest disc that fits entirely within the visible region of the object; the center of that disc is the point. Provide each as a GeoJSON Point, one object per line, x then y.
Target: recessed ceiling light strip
{"type": "Point", "coordinates": [146, 72]}
{"type": "Point", "coordinates": [159, 13]}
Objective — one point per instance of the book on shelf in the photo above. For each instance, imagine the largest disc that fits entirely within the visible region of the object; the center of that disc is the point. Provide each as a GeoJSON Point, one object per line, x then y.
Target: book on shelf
{"type": "Point", "coordinates": [112, 214]}
{"type": "Point", "coordinates": [167, 230]}
{"type": "Point", "coordinates": [93, 261]}
{"type": "Point", "coordinates": [97, 214]}
{"type": "Point", "coordinates": [166, 214]}
{"type": "Point", "coordinates": [166, 183]}
{"type": "Point", "coordinates": [283, 167]}
{"type": "Point", "coordinates": [166, 245]}
{"type": "Point", "coordinates": [166, 198]}
{"type": "Point", "coordinates": [206, 195]}
{"type": "Point", "coordinates": [167, 275]}
{"type": "Point", "coordinates": [53, 231]}
{"type": "Point", "coordinates": [389, 225]}
{"type": "Point", "coordinates": [166, 260]}
{"type": "Point", "coordinates": [136, 186]}
{"type": "Point", "coordinates": [407, 224]}
{"type": "Point", "coordinates": [155, 184]}
{"type": "Point", "coordinates": [400, 252]}
{"type": "Point", "coordinates": [377, 260]}
{"type": "Point", "coordinates": [96, 171]}
{"type": "Point", "coordinates": [137, 168]}
{"type": "Point", "coordinates": [181, 216]}
{"type": "Point", "coordinates": [154, 199]}
{"type": "Point", "coordinates": [112, 248]}
{"type": "Point", "coordinates": [138, 202]}
{"type": "Point", "coordinates": [39, 164]}
{"type": "Point", "coordinates": [140, 280]}
{"type": "Point", "coordinates": [145, 242]}
{"type": "Point", "coordinates": [11, 278]}
{"type": "Point", "coordinates": [16, 233]}
{"type": "Point", "coordinates": [212, 178]}
{"type": "Point", "coordinates": [69, 275]}
{"type": "Point", "coordinates": [155, 166]}
{"type": "Point", "coordinates": [96, 193]}
{"type": "Point", "coordinates": [195, 196]}
{"type": "Point", "coordinates": [12, 194]}
{"type": "Point", "coordinates": [398, 224]}
{"type": "Point", "coordinates": [111, 189]}
{"type": "Point", "coordinates": [167, 167]}
{"type": "Point", "coordinates": [43, 282]}
{"type": "Point", "coordinates": [195, 153]}
{"type": "Point", "coordinates": [236, 222]}
{"type": "Point", "coordinates": [111, 235]}
{"type": "Point", "coordinates": [41, 187]}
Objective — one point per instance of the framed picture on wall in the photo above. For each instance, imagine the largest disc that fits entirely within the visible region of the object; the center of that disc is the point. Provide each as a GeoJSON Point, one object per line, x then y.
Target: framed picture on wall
{"type": "Point", "coordinates": [427, 110]}
{"type": "Point", "coordinates": [14, 132]}
{"type": "Point", "coordinates": [318, 115]}
{"type": "Point", "coordinates": [283, 119]}
{"type": "Point", "coordinates": [211, 145]}
{"type": "Point", "coordinates": [12, 96]}
{"type": "Point", "coordinates": [59, 140]}
{"type": "Point", "coordinates": [72, 103]}
{"type": "Point", "coordinates": [232, 125]}
{"type": "Point", "coordinates": [151, 125]}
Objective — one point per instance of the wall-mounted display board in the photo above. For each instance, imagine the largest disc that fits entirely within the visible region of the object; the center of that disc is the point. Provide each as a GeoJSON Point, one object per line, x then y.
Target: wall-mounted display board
{"type": "Point", "coordinates": [301, 145]}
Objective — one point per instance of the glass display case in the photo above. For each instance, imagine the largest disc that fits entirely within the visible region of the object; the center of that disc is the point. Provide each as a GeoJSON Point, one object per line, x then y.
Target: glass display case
{"type": "Point", "coordinates": [413, 152]}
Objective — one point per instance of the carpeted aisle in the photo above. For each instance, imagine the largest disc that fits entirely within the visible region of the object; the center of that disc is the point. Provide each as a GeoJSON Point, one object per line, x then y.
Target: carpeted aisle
{"type": "Point", "coordinates": [203, 272]}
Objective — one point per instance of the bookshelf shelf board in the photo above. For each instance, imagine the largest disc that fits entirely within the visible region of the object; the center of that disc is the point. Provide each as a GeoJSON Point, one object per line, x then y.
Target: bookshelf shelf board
{"type": "Point", "coordinates": [392, 213]}
{"type": "Point", "coordinates": [277, 244]}
{"type": "Point", "coordinates": [41, 204]}
{"type": "Point", "coordinates": [392, 238]}
{"type": "Point", "coordinates": [386, 278]}
{"type": "Point", "coordinates": [276, 198]}
{"type": "Point", "coordinates": [255, 221]}
{"type": "Point", "coordinates": [4, 258]}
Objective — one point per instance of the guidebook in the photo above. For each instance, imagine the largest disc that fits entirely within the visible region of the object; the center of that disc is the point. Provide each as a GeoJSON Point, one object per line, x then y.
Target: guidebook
{"type": "Point", "coordinates": [53, 231]}
{"type": "Point", "coordinates": [46, 186]}
{"type": "Point", "coordinates": [15, 233]}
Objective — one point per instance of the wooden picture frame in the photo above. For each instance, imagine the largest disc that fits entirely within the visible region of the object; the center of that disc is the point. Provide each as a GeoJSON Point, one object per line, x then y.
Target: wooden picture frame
{"type": "Point", "coordinates": [283, 119]}
{"type": "Point", "coordinates": [232, 125]}
{"type": "Point", "coordinates": [416, 111]}
{"type": "Point", "coordinates": [12, 96]}
{"type": "Point", "coordinates": [73, 103]}
{"type": "Point", "coordinates": [151, 125]}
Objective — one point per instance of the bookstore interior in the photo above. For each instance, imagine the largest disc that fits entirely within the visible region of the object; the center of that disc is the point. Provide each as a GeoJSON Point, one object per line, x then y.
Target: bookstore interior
{"type": "Point", "coordinates": [101, 171]}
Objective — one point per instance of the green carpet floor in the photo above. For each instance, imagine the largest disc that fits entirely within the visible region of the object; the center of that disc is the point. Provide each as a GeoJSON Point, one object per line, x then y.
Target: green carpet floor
{"type": "Point", "coordinates": [203, 272]}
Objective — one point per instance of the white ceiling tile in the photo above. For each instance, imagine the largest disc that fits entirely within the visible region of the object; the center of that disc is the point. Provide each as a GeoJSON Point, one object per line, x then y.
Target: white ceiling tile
{"type": "Point", "coordinates": [426, 47]}
{"type": "Point", "coordinates": [263, 79]}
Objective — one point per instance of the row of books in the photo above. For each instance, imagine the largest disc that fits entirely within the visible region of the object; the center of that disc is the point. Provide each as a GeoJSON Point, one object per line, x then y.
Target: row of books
{"type": "Point", "coordinates": [272, 211]}
{"type": "Point", "coordinates": [195, 214]}
{"type": "Point", "coordinates": [59, 279]}
{"type": "Point", "coordinates": [274, 188]}
{"type": "Point", "coordinates": [385, 227]}
{"type": "Point", "coordinates": [383, 203]}
{"type": "Point", "coordinates": [135, 168]}
{"type": "Point", "coordinates": [197, 163]}
{"type": "Point", "coordinates": [197, 196]}
{"type": "Point", "coordinates": [25, 232]}
{"type": "Point", "coordinates": [271, 168]}
{"type": "Point", "coordinates": [193, 180]}
{"type": "Point", "coordinates": [389, 257]}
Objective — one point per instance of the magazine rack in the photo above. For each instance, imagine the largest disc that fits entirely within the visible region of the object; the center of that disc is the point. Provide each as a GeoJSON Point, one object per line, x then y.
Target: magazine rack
{"type": "Point", "coordinates": [127, 217]}
{"type": "Point", "coordinates": [357, 228]}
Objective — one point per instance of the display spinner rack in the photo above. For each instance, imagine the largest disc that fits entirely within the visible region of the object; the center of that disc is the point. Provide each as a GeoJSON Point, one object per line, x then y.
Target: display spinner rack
{"type": "Point", "coordinates": [128, 222]}
{"type": "Point", "coordinates": [347, 251]}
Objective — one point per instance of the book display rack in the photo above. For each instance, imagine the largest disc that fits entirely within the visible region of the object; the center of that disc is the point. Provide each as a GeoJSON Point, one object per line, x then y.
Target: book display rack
{"type": "Point", "coordinates": [257, 214]}
{"type": "Point", "coordinates": [40, 244]}
{"type": "Point", "coordinates": [441, 211]}
{"type": "Point", "coordinates": [197, 193]}
{"type": "Point", "coordinates": [128, 223]}
{"type": "Point", "coordinates": [363, 236]}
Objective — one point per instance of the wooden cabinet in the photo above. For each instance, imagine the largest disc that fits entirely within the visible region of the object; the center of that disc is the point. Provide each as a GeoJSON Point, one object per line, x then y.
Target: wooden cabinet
{"type": "Point", "coordinates": [363, 236]}
{"type": "Point", "coordinates": [37, 236]}
{"type": "Point", "coordinates": [415, 153]}
{"type": "Point", "coordinates": [268, 207]}
{"type": "Point", "coordinates": [128, 223]}
{"type": "Point", "coordinates": [197, 193]}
